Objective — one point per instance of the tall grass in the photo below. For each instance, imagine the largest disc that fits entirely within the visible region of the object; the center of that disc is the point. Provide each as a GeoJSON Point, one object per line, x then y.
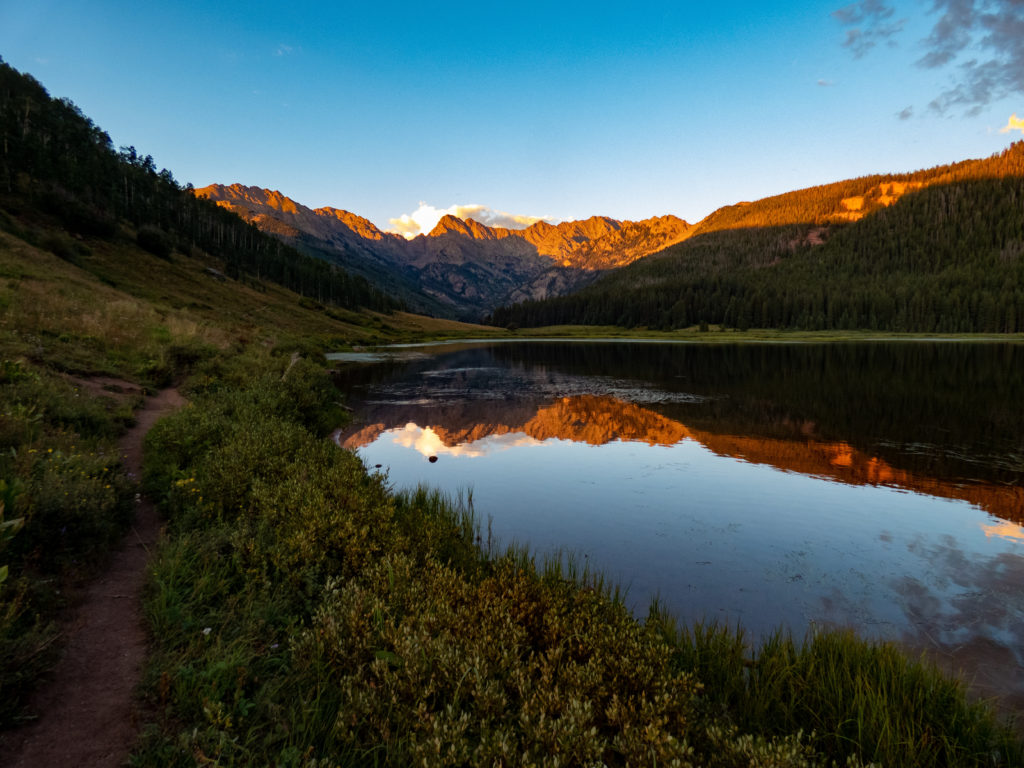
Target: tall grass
{"type": "Point", "coordinates": [850, 693]}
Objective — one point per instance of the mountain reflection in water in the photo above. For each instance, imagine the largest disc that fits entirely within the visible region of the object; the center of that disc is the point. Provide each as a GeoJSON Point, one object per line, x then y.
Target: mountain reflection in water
{"type": "Point", "coordinates": [598, 420]}
{"type": "Point", "coordinates": [873, 486]}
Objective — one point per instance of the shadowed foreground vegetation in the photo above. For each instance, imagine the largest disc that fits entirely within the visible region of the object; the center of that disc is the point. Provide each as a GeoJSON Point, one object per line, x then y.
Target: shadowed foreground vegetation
{"type": "Point", "coordinates": [305, 614]}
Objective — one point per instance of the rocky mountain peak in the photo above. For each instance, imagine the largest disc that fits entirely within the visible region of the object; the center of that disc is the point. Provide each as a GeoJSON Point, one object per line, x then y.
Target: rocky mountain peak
{"type": "Point", "coordinates": [362, 227]}
{"type": "Point", "coordinates": [468, 227]}
{"type": "Point", "coordinates": [449, 223]}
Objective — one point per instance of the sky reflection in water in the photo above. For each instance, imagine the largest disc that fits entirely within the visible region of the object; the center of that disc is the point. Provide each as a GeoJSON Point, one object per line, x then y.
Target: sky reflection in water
{"type": "Point", "coordinates": [761, 521]}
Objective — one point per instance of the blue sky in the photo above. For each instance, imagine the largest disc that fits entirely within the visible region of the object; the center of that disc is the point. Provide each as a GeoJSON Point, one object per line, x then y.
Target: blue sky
{"type": "Point", "coordinates": [561, 110]}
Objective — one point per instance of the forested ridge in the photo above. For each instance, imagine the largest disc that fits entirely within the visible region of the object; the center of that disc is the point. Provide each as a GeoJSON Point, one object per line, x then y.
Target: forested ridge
{"type": "Point", "coordinates": [55, 160]}
{"type": "Point", "coordinates": [945, 257]}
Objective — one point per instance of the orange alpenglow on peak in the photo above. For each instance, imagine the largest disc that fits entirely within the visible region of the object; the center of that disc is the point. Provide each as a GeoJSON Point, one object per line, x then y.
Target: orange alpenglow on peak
{"type": "Point", "coordinates": [542, 260]}
{"type": "Point", "coordinates": [253, 195]}
{"type": "Point", "coordinates": [355, 222]}
{"type": "Point", "coordinates": [468, 227]}
{"type": "Point", "coordinates": [259, 206]}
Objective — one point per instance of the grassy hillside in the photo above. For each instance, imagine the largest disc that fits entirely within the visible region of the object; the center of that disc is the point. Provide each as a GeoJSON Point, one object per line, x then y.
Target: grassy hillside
{"type": "Point", "coordinates": [945, 255]}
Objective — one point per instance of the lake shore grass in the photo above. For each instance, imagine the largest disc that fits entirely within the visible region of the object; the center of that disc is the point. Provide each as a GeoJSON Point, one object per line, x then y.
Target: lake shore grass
{"type": "Point", "coordinates": [302, 611]}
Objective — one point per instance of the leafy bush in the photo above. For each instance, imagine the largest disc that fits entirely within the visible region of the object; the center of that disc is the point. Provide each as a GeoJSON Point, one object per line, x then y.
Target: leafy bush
{"type": "Point", "coordinates": [61, 246]}
{"type": "Point", "coordinates": [75, 505]}
{"type": "Point", "coordinates": [442, 670]}
{"type": "Point", "coordinates": [27, 646]}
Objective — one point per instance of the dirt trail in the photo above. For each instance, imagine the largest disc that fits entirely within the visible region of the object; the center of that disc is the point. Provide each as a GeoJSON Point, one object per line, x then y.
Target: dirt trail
{"type": "Point", "coordinates": [88, 711]}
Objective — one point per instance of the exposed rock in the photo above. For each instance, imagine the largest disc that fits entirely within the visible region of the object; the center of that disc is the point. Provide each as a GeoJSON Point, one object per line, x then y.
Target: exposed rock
{"type": "Point", "coordinates": [881, 195]}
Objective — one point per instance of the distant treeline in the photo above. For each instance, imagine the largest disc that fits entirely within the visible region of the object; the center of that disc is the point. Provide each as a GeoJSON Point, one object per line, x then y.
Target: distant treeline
{"type": "Point", "coordinates": [945, 258]}
{"type": "Point", "coordinates": [54, 158]}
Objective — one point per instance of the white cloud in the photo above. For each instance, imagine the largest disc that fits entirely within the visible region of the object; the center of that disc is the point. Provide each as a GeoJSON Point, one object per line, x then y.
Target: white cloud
{"type": "Point", "coordinates": [425, 218]}
{"type": "Point", "coordinates": [1013, 124]}
{"type": "Point", "coordinates": [283, 50]}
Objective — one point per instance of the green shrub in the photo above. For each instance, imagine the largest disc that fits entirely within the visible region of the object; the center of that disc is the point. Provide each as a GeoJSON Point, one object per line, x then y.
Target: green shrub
{"type": "Point", "coordinates": [9, 491]}
{"type": "Point", "coordinates": [32, 404]}
{"type": "Point", "coordinates": [27, 647]}
{"type": "Point", "coordinates": [61, 479]}
{"type": "Point", "coordinates": [61, 246]}
{"type": "Point", "coordinates": [442, 670]}
{"type": "Point", "coordinates": [75, 505]}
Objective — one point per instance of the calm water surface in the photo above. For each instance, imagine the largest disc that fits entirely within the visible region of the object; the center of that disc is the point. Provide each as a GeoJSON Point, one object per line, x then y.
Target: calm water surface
{"type": "Point", "coordinates": [875, 486]}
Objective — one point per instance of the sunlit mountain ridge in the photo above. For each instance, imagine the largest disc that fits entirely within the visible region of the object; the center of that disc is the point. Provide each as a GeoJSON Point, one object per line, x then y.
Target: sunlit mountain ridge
{"type": "Point", "coordinates": [934, 250]}
{"type": "Point", "coordinates": [467, 268]}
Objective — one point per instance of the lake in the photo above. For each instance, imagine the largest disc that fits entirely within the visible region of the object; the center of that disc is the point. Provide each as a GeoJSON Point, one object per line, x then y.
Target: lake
{"type": "Point", "coordinates": [876, 486]}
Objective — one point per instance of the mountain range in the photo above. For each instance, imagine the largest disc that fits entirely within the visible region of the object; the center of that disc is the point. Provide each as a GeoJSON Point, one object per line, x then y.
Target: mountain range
{"type": "Point", "coordinates": [460, 268]}
{"type": "Point", "coordinates": [661, 272]}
